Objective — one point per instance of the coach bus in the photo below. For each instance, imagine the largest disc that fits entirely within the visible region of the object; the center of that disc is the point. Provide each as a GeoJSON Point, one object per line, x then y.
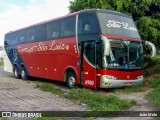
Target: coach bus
{"type": "Point", "coordinates": [94, 48]}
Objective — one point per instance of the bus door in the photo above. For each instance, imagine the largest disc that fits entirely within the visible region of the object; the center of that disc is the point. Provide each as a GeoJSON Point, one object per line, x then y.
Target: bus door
{"type": "Point", "coordinates": [88, 62]}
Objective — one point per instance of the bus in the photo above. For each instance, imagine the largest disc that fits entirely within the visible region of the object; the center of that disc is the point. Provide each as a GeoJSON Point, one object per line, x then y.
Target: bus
{"type": "Point", "coordinates": [95, 48]}
{"type": "Point", "coordinates": [1, 54]}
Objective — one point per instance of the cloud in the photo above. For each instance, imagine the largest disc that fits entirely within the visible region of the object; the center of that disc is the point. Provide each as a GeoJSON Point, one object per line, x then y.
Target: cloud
{"type": "Point", "coordinates": [20, 16]}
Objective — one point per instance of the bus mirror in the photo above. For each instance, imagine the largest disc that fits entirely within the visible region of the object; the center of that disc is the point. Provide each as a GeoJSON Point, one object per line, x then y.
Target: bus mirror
{"type": "Point", "coordinates": [153, 48]}
{"type": "Point", "coordinates": [106, 48]}
{"type": "Point", "coordinates": [106, 45]}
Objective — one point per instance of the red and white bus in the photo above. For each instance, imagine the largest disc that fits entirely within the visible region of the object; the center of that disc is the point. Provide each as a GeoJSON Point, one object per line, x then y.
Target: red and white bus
{"type": "Point", "coordinates": [94, 48]}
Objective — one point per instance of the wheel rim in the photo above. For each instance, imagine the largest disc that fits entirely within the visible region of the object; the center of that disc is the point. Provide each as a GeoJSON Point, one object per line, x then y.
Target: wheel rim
{"type": "Point", "coordinates": [22, 73]}
{"type": "Point", "coordinates": [71, 81]}
{"type": "Point", "coordinates": [15, 72]}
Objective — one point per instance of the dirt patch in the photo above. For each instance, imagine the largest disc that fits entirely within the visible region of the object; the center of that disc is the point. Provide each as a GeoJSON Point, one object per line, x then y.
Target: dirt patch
{"type": "Point", "coordinates": [142, 103]}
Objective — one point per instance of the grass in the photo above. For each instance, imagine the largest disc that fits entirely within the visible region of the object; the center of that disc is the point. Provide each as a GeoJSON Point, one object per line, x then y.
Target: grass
{"type": "Point", "coordinates": [154, 96]}
{"type": "Point", "coordinates": [129, 89]}
{"type": "Point", "coordinates": [99, 102]}
{"type": "Point", "coordinates": [48, 87]}
{"type": "Point", "coordinates": [154, 82]}
{"type": "Point", "coordinates": [94, 101]}
{"type": "Point", "coordinates": [4, 118]}
{"type": "Point", "coordinates": [152, 66]}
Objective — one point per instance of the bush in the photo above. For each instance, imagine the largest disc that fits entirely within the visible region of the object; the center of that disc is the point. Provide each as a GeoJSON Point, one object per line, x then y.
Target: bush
{"type": "Point", "coordinates": [152, 65]}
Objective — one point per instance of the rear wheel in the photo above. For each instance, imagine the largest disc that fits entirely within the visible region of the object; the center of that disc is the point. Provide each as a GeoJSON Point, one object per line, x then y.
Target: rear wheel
{"type": "Point", "coordinates": [16, 73]}
{"type": "Point", "coordinates": [23, 74]}
{"type": "Point", "coordinates": [71, 80]}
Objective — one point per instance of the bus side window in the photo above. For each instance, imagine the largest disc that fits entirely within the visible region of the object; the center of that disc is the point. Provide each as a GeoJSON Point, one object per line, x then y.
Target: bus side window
{"type": "Point", "coordinates": [68, 26]}
{"type": "Point", "coordinates": [30, 35]}
{"type": "Point", "coordinates": [40, 33]}
{"type": "Point", "coordinates": [87, 28]}
{"type": "Point", "coordinates": [22, 36]}
{"type": "Point", "coordinates": [22, 39]}
{"type": "Point", "coordinates": [87, 24]}
{"type": "Point", "coordinates": [53, 29]}
{"type": "Point", "coordinates": [11, 39]}
{"type": "Point", "coordinates": [7, 39]}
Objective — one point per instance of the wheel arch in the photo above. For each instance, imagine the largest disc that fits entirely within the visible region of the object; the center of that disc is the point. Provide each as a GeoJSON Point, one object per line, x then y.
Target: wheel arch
{"type": "Point", "coordinates": [24, 66]}
{"type": "Point", "coordinates": [17, 66]}
{"type": "Point", "coordinates": [70, 69]}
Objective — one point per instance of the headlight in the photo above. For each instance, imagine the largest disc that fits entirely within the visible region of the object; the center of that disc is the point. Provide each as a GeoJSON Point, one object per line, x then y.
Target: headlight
{"type": "Point", "coordinates": [110, 77]}
{"type": "Point", "coordinates": [140, 77]}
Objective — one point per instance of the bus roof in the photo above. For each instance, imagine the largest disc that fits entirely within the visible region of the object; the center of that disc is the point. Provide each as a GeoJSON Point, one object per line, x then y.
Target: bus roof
{"type": "Point", "coordinates": [44, 22]}
{"type": "Point", "coordinates": [71, 14]}
{"type": "Point", "coordinates": [106, 11]}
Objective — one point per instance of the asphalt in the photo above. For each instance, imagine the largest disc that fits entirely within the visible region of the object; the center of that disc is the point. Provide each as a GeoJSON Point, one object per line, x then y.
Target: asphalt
{"type": "Point", "coordinates": [20, 95]}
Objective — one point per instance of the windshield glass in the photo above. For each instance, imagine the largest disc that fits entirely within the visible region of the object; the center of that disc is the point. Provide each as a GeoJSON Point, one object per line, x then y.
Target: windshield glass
{"type": "Point", "coordinates": [117, 25]}
{"type": "Point", "coordinates": [125, 55]}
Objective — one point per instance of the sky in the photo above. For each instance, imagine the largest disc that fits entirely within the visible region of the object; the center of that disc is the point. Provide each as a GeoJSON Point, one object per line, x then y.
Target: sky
{"type": "Point", "coordinates": [15, 14]}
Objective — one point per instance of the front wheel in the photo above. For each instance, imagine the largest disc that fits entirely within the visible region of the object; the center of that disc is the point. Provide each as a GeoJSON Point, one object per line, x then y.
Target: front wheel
{"type": "Point", "coordinates": [23, 74]}
{"type": "Point", "coordinates": [71, 80]}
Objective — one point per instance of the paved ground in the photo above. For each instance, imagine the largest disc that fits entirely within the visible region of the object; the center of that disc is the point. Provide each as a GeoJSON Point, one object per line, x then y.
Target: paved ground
{"type": "Point", "coordinates": [19, 95]}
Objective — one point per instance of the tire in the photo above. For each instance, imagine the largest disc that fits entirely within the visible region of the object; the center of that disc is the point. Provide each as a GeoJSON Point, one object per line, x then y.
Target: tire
{"type": "Point", "coordinates": [23, 74]}
{"type": "Point", "coordinates": [71, 80]}
{"type": "Point", "coordinates": [16, 73]}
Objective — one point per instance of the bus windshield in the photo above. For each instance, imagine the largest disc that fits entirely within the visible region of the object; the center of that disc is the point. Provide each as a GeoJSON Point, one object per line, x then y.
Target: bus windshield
{"type": "Point", "coordinates": [124, 55]}
{"type": "Point", "coordinates": [117, 25]}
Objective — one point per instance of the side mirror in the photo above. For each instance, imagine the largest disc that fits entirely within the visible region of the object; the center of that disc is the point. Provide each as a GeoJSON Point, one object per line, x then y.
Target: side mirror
{"type": "Point", "coordinates": [153, 48]}
{"type": "Point", "coordinates": [107, 46]}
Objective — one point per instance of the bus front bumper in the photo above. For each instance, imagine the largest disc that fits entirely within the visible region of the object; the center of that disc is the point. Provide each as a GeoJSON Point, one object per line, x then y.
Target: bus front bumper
{"type": "Point", "coordinates": [116, 83]}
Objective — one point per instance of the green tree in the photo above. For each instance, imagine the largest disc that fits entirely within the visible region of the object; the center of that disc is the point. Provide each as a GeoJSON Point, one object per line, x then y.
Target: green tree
{"type": "Point", "coordinates": [146, 14]}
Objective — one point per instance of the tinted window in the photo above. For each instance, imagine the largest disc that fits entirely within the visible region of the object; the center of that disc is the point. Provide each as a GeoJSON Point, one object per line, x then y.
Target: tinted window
{"type": "Point", "coordinates": [7, 40]}
{"type": "Point", "coordinates": [117, 25]}
{"type": "Point", "coordinates": [68, 27]}
{"type": "Point", "coordinates": [98, 54]}
{"type": "Point", "coordinates": [30, 35]}
{"type": "Point", "coordinates": [40, 33]}
{"type": "Point", "coordinates": [11, 39]}
{"type": "Point", "coordinates": [14, 38]}
{"type": "Point", "coordinates": [87, 24]}
{"type": "Point", "coordinates": [89, 51]}
{"type": "Point", "coordinates": [53, 30]}
{"type": "Point", "coordinates": [21, 36]}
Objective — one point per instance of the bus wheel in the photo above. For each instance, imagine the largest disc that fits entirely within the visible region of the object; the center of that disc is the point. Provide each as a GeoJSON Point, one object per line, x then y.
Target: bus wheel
{"type": "Point", "coordinates": [71, 80]}
{"type": "Point", "coordinates": [15, 72]}
{"type": "Point", "coordinates": [23, 74]}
